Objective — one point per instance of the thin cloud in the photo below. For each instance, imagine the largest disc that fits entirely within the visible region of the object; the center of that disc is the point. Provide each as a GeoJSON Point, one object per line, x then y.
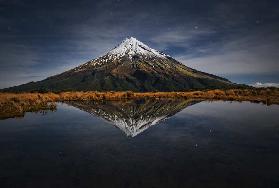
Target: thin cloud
{"type": "Point", "coordinates": [259, 85]}
{"type": "Point", "coordinates": [252, 54]}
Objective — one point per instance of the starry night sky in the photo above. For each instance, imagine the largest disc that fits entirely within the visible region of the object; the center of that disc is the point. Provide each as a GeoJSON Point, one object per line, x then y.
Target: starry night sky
{"type": "Point", "coordinates": [237, 39]}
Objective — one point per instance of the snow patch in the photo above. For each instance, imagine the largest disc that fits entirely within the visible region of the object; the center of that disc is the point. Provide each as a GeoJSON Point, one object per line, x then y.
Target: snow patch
{"type": "Point", "coordinates": [131, 47]}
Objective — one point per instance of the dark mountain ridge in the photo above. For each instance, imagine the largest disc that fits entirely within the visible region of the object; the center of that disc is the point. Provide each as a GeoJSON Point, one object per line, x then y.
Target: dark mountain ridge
{"type": "Point", "coordinates": [130, 66]}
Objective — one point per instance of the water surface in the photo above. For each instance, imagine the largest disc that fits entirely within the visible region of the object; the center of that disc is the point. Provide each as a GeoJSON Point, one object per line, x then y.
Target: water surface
{"type": "Point", "coordinates": [143, 143]}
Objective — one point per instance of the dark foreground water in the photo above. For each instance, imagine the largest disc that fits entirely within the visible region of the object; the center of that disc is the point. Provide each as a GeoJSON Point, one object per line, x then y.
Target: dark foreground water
{"type": "Point", "coordinates": [143, 144]}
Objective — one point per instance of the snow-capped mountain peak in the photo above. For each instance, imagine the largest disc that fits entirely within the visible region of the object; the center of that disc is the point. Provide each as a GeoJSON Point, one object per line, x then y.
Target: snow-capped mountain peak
{"type": "Point", "coordinates": [129, 48]}
{"type": "Point", "coordinates": [132, 47]}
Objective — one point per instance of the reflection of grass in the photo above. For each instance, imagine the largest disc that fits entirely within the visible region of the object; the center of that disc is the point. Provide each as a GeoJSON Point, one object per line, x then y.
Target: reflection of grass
{"type": "Point", "coordinates": [15, 104]}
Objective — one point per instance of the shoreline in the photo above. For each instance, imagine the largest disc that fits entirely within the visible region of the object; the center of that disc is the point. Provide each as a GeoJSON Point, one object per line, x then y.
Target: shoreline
{"type": "Point", "coordinates": [16, 104]}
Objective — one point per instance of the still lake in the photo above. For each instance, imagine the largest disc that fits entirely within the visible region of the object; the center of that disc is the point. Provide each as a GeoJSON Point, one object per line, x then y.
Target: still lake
{"type": "Point", "coordinates": [142, 143]}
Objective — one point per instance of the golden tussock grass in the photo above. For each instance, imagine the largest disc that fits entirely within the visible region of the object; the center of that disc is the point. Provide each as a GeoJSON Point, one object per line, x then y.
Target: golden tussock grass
{"type": "Point", "coordinates": [16, 104]}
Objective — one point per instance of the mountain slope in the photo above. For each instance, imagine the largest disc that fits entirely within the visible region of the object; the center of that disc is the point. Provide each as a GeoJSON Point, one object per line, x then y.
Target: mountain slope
{"type": "Point", "coordinates": [130, 66]}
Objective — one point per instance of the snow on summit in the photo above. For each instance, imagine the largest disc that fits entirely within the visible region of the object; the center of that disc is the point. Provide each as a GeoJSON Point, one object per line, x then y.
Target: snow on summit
{"type": "Point", "coordinates": [132, 47]}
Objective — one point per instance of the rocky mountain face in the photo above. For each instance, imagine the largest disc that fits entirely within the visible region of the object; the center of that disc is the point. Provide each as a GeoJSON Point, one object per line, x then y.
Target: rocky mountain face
{"type": "Point", "coordinates": [134, 116]}
{"type": "Point", "coordinates": [132, 66]}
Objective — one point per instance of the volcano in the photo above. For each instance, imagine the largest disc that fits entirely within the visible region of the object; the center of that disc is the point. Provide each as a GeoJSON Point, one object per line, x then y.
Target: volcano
{"type": "Point", "coordinates": [132, 66]}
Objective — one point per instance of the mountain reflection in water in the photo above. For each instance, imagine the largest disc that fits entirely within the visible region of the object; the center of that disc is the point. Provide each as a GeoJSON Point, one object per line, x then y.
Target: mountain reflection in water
{"type": "Point", "coordinates": [134, 116]}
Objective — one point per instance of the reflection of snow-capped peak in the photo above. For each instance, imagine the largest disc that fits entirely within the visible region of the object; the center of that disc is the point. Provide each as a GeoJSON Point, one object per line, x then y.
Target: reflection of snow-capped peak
{"type": "Point", "coordinates": [133, 116]}
{"type": "Point", "coordinates": [132, 127]}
